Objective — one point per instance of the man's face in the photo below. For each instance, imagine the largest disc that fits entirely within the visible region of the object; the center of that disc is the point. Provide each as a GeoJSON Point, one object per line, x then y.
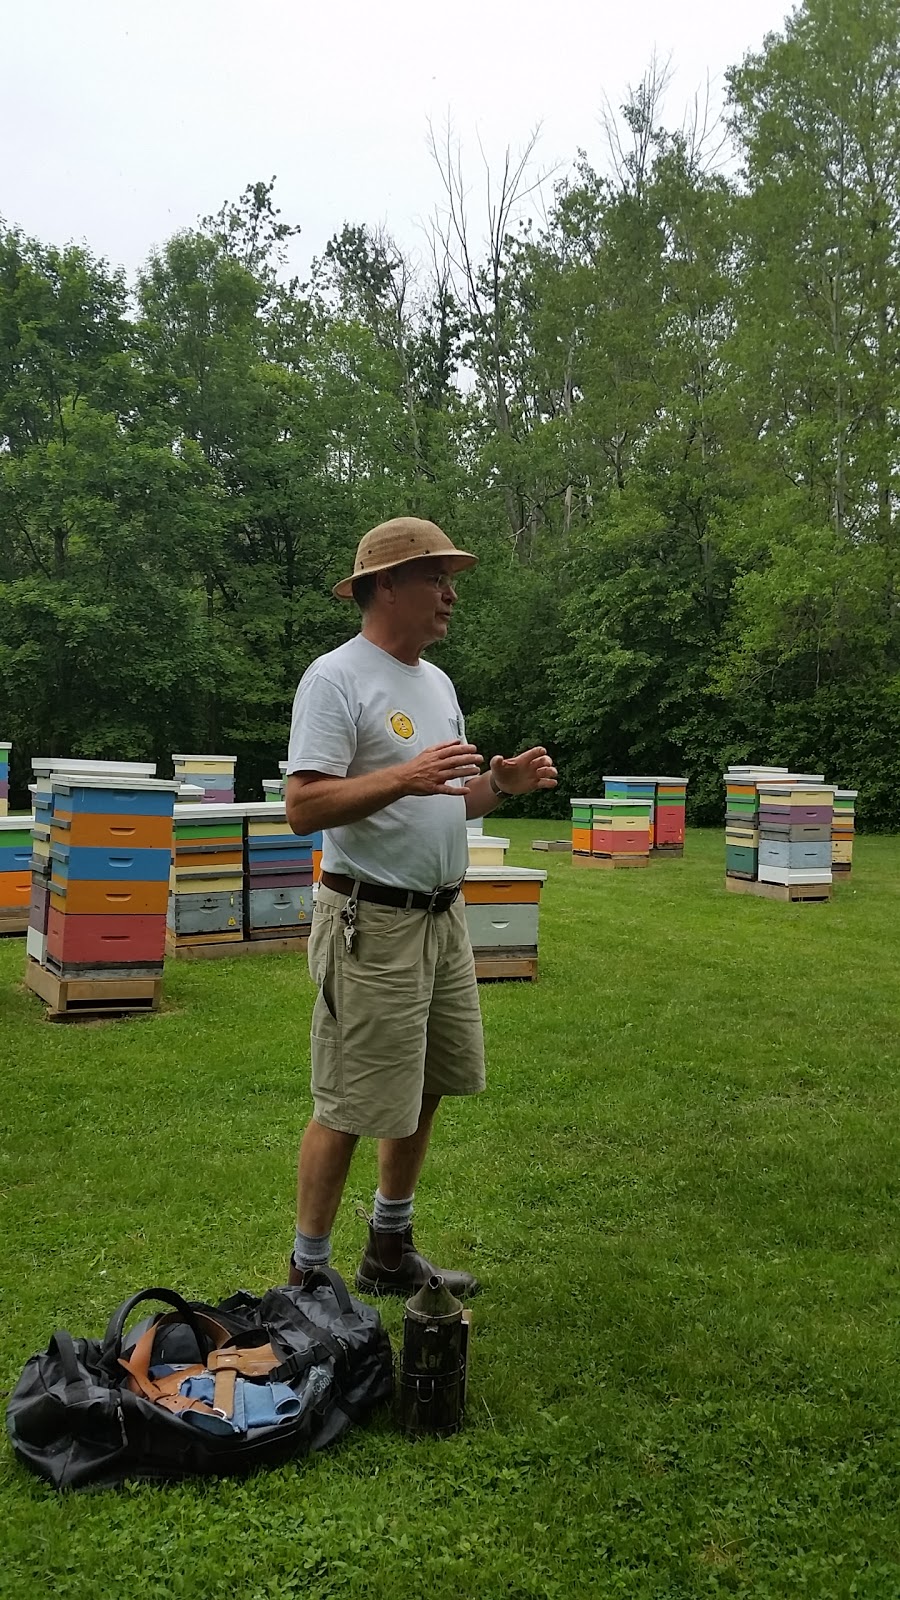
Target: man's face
{"type": "Point", "coordinates": [425, 597]}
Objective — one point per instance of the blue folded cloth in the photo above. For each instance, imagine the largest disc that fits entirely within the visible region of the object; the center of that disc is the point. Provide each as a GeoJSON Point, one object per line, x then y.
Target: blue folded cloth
{"type": "Point", "coordinates": [256, 1405]}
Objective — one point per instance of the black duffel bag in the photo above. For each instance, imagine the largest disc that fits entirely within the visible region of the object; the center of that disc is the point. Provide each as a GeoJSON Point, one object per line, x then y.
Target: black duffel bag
{"type": "Point", "coordinates": [202, 1389]}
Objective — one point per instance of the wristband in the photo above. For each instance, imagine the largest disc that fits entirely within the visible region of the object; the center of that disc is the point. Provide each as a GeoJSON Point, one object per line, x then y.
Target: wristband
{"type": "Point", "coordinates": [504, 793]}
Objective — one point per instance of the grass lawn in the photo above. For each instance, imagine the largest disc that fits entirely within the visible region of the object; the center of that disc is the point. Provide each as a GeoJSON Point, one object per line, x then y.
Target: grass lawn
{"type": "Point", "coordinates": [680, 1194]}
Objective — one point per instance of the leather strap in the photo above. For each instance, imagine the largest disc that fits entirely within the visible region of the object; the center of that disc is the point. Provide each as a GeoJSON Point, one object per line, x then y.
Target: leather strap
{"type": "Point", "coordinates": [255, 1361]}
{"type": "Point", "coordinates": [384, 894]}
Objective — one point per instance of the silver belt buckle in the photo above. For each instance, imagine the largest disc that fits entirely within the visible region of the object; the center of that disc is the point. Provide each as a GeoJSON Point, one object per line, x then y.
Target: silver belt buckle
{"type": "Point", "coordinates": [448, 892]}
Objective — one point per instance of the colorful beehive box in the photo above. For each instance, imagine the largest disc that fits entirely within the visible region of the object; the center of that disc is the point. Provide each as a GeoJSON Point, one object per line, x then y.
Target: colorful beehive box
{"type": "Point", "coordinates": [741, 851]}
{"type": "Point", "coordinates": [206, 899]}
{"type": "Point", "coordinates": [273, 790]}
{"type": "Point", "coordinates": [45, 768]}
{"type": "Point", "coordinates": [795, 820]}
{"type": "Point", "coordinates": [742, 817]}
{"type": "Point", "coordinates": [213, 774]}
{"type": "Point", "coordinates": [843, 831]}
{"type": "Point", "coordinates": [4, 777]}
{"type": "Point", "coordinates": [15, 873]}
{"type": "Point", "coordinates": [503, 914]}
{"type": "Point", "coordinates": [669, 816]}
{"type": "Point", "coordinates": [582, 825]}
{"type": "Point", "coordinates": [110, 854]}
{"type": "Point", "coordinates": [621, 828]}
{"type": "Point", "coordinates": [638, 787]}
{"type": "Point", "coordinates": [278, 873]}
{"type": "Point", "coordinates": [486, 851]}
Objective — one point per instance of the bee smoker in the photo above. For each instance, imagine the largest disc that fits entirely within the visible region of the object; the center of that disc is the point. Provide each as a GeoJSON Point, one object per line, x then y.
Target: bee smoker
{"type": "Point", "coordinates": [434, 1361]}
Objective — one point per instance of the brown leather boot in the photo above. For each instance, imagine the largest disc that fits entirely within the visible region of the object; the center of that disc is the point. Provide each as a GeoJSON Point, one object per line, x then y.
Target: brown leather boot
{"type": "Point", "coordinates": [391, 1264]}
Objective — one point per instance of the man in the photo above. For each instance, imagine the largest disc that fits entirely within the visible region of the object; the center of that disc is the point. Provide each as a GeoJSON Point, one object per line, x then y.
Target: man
{"type": "Point", "coordinates": [378, 759]}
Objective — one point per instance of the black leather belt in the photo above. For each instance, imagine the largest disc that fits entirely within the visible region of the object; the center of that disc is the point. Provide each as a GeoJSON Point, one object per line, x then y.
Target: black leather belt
{"type": "Point", "coordinates": [383, 895]}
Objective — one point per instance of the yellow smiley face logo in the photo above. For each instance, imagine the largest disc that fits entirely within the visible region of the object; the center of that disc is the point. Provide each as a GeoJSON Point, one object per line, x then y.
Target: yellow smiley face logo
{"type": "Point", "coordinates": [401, 725]}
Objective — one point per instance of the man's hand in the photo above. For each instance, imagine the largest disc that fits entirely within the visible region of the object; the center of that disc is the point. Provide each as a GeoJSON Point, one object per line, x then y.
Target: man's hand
{"type": "Point", "coordinates": [522, 774]}
{"type": "Point", "coordinates": [432, 771]}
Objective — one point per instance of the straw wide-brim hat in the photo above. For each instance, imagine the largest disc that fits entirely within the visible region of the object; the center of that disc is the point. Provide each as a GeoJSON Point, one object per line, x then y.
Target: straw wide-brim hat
{"type": "Point", "coordinates": [402, 539]}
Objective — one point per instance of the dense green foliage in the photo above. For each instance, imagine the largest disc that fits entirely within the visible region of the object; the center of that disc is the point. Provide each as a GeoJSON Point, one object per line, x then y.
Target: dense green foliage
{"type": "Point", "coordinates": [679, 1193]}
{"type": "Point", "coordinates": [665, 416]}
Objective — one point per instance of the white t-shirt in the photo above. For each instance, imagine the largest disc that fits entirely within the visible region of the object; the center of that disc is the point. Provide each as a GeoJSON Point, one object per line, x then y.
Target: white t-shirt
{"type": "Point", "coordinates": [357, 710]}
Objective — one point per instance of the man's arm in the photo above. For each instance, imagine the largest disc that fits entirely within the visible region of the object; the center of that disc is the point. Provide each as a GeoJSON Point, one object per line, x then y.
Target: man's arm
{"type": "Point", "coordinates": [533, 769]}
{"type": "Point", "coordinates": [314, 800]}
{"type": "Point", "coordinates": [481, 799]}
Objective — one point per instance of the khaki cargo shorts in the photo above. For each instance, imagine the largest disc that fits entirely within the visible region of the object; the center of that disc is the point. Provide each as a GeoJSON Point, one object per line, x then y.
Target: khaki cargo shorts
{"type": "Point", "coordinates": [396, 1018]}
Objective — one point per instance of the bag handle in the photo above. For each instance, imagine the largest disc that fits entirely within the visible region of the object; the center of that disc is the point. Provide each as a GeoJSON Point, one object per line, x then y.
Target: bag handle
{"type": "Point", "coordinates": [112, 1341]}
{"type": "Point", "coordinates": [335, 1282]}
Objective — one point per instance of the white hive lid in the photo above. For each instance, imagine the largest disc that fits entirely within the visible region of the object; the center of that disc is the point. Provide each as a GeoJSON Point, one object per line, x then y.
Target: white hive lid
{"type": "Point", "coordinates": [65, 782]}
{"type": "Point", "coordinates": [63, 765]}
{"type": "Point", "coordinates": [505, 875]}
{"type": "Point", "coordinates": [211, 813]}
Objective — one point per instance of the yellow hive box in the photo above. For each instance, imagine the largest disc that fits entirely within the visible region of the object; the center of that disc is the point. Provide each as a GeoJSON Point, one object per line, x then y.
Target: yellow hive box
{"type": "Point", "coordinates": [196, 882]}
{"type": "Point", "coordinates": [786, 796]}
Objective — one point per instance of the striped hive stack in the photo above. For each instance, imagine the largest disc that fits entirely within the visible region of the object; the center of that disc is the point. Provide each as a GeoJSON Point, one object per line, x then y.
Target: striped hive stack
{"type": "Point", "coordinates": [486, 851]}
{"type": "Point", "coordinates": [206, 900]}
{"type": "Point", "coordinates": [621, 830]}
{"type": "Point", "coordinates": [742, 819]}
{"type": "Point", "coordinates": [273, 790]}
{"type": "Point", "coordinates": [4, 777]}
{"type": "Point", "coordinates": [582, 826]}
{"type": "Point", "coordinates": [843, 829]}
{"type": "Point", "coordinates": [213, 774]}
{"type": "Point", "coordinates": [278, 878]}
{"type": "Point", "coordinates": [669, 816]}
{"type": "Point", "coordinates": [642, 789]}
{"type": "Point", "coordinates": [15, 873]}
{"type": "Point", "coordinates": [110, 851]}
{"type": "Point", "coordinates": [795, 818]}
{"type": "Point", "coordinates": [43, 768]}
{"type": "Point", "coordinates": [502, 913]}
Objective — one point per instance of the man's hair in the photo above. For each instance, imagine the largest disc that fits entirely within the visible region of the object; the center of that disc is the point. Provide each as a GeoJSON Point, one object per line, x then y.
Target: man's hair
{"type": "Point", "coordinates": [363, 589]}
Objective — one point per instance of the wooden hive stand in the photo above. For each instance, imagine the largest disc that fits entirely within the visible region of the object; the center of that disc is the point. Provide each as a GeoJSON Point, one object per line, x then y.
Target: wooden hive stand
{"type": "Point", "coordinates": [68, 999]}
{"type": "Point", "coordinates": [812, 892]}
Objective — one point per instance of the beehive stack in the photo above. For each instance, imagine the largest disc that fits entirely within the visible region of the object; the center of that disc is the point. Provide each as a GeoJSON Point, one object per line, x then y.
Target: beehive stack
{"type": "Point", "coordinates": [669, 817]}
{"type": "Point", "coordinates": [742, 819]}
{"type": "Point", "coordinates": [843, 831]}
{"type": "Point", "coordinates": [43, 768]}
{"type": "Point", "coordinates": [642, 789]}
{"type": "Point", "coordinates": [110, 853]}
{"type": "Point", "coordinates": [213, 774]}
{"type": "Point", "coordinates": [620, 833]}
{"type": "Point", "coordinates": [795, 818]}
{"type": "Point", "coordinates": [273, 790]}
{"type": "Point", "coordinates": [278, 875]}
{"type": "Point", "coordinates": [206, 899]}
{"type": "Point", "coordinates": [582, 827]}
{"type": "Point", "coordinates": [4, 777]}
{"type": "Point", "coordinates": [486, 851]}
{"type": "Point", "coordinates": [503, 914]}
{"type": "Point", "coordinates": [15, 873]}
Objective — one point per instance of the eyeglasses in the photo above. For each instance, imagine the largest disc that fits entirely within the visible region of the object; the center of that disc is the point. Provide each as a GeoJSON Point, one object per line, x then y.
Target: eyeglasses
{"type": "Point", "coordinates": [441, 580]}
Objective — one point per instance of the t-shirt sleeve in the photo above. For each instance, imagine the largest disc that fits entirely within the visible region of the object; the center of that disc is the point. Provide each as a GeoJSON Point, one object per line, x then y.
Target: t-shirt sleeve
{"type": "Point", "coordinates": [323, 732]}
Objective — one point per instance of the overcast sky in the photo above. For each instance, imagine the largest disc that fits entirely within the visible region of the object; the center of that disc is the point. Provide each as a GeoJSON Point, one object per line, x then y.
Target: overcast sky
{"type": "Point", "coordinates": [124, 120]}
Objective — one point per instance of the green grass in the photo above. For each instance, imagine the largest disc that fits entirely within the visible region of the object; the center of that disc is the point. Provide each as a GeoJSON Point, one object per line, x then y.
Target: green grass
{"type": "Point", "coordinates": [680, 1193]}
